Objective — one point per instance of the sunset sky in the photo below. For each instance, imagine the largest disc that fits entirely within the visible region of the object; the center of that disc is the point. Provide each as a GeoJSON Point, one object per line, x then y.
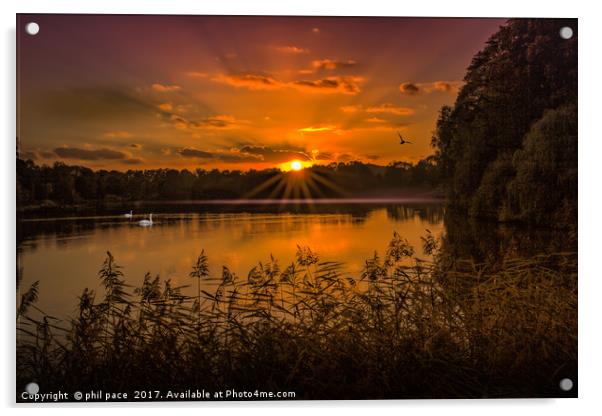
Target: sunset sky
{"type": "Point", "coordinates": [135, 92]}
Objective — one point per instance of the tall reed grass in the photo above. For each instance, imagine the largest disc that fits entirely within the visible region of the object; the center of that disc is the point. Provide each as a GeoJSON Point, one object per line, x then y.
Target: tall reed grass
{"type": "Point", "coordinates": [409, 326]}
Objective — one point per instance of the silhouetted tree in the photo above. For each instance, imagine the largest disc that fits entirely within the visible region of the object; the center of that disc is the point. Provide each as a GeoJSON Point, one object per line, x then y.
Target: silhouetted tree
{"type": "Point", "coordinates": [485, 146]}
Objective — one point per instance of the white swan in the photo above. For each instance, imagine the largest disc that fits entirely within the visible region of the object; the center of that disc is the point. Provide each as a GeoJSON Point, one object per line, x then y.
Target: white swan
{"type": "Point", "coordinates": [146, 223]}
{"type": "Point", "coordinates": [130, 215]}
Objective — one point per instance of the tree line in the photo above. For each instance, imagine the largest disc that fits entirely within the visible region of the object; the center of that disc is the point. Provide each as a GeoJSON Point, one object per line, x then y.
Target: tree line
{"type": "Point", "coordinates": [507, 148]}
{"type": "Point", "coordinates": [64, 184]}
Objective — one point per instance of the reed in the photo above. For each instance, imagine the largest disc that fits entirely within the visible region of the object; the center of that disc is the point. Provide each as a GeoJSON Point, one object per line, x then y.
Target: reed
{"type": "Point", "coordinates": [407, 327]}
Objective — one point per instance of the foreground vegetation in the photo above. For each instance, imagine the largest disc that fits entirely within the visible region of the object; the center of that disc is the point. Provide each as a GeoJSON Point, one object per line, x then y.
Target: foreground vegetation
{"type": "Point", "coordinates": [405, 328]}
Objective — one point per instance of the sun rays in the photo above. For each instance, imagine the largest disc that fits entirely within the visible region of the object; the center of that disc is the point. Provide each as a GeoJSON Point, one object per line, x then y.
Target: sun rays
{"type": "Point", "coordinates": [299, 182]}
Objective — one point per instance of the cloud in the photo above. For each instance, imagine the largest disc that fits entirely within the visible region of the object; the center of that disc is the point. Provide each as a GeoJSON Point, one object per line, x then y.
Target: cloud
{"type": "Point", "coordinates": [228, 157]}
{"type": "Point", "coordinates": [390, 109]}
{"type": "Point", "coordinates": [316, 129]}
{"type": "Point", "coordinates": [348, 157]}
{"type": "Point", "coordinates": [375, 120]}
{"type": "Point", "coordinates": [446, 86]}
{"type": "Point", "coordinates": [250, 81]}
{"type": "Point", "coordinates": [66, 152]}
{"type": "Point", "coordinates": [318, 155]}
{"type": "Point", "coordinates": [246, 154]}
{"type": "Point", "coordinates": [119, 134]}
{"type": "Point", "coordinates": [334, 84]}
{"type": "Point", "coordinates": [133, 161]}
{"type": "Point", "coordinates": [166, 106]}
{"type": "Point", "coordinates": [191, 152]}
{"type": "Point", "coordinates": [386, 108]}
{"type": "Point", "coordinates": [410, 88]}
{"type": "Point", "coordinates": [338, 84]}
{"type": "Point", "coordinates": [136, 145]}
{"type": "Point", "coordinates": [332, 64]}
{"type": "Point", "coordinates": [289, 49]}
{"type": "Point", "coordinates": [165, 88]}
{"type": "Point", "coordinates": [268, 154]}
{"type": "Point", "coordinates": [220, 121]}
{"type": "Point", "coordinates": [358, 125]}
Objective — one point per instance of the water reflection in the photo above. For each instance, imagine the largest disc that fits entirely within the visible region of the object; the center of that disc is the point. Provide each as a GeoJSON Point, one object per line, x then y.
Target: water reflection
{"type": "Point", "coordinates": [66, 253]}
{"type": "Point", "coordinates": [491, 242]}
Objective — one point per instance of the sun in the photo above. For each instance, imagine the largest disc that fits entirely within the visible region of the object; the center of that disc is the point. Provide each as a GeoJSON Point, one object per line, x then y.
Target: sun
{"type": "Point", "coordinates": [296, 165]}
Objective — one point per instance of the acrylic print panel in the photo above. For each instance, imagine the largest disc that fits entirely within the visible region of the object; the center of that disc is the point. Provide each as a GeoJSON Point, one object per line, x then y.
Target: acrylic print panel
{"type": "Point", "coordinates": [285, 208]}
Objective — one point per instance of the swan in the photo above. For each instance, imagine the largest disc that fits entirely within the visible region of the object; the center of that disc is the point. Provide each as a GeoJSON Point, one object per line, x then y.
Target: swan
{"type": "Point", "coordinates": [129, 215]}
{"type": "Point", "coordinates": [146, 223]}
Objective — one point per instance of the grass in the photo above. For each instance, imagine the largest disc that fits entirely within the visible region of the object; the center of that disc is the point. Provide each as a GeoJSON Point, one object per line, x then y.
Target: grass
{"type": "Point", "coordinates": [406, 328]}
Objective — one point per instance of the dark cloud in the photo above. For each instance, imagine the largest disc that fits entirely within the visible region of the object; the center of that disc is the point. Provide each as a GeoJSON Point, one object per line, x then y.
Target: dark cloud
{"type": "Point", "coordinates": [345, 85]}
{"type": "Point", "coordinates": [268, 154]}
{"type": "Point", "coordinates": [409, 88]}
{"type": "Point", "coordinates": [247, 154]}
{"type": "Point", "coordinates": [133, 161]}
{"type": "Point", "coordinates": [190, 152]}
{"type": "Point", "coordinates": [89, 154]}
{"type": "Point", "coordinates": [335, 84]}
{"type": "Point", "coordinates": [228, 157]}
{"type": "Point", "coordinates": [218, 121]}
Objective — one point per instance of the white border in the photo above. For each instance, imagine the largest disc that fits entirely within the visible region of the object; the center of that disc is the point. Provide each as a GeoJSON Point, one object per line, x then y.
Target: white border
{"type": "Point", "coordinates": [590, 202]}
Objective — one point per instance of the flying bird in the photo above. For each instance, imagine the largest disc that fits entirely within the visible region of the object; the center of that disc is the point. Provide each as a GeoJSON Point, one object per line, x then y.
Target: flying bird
{"type": "Point", "coordinates": [402, 140]}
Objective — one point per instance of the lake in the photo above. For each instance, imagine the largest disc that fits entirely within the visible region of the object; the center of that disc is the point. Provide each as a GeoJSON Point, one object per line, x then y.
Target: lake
{"type": "Point", "coordinates": [65, 253]}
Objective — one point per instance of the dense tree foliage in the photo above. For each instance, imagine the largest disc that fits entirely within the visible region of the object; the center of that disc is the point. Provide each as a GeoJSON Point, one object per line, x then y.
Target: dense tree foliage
{"type": "Point", "coordinates": [508, 147]}
{"type": "Point", "coordinates": [66, 185]}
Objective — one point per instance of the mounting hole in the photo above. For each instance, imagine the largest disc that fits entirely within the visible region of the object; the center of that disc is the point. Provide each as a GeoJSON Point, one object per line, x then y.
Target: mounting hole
{"type": "Point", "coordinates": [566, 384]}
{"type": "Point", "coordinates": [32, 28]}
{"type": "Point", "coordinates": [566, 32]}
{"type": "Point", "coordinates": [32, 388]}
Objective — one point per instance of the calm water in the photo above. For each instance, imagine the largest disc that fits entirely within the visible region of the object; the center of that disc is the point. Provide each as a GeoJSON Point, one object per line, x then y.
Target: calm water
{"type": "Point", "coordinates": [65, 254]}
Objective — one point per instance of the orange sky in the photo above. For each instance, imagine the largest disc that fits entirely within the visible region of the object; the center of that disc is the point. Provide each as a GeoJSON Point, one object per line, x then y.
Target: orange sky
{"type": "Point", "coordinates": [135, 92]}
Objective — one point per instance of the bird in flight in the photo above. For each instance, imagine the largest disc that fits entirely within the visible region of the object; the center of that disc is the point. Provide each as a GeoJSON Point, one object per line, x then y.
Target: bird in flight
{"type": "Point", "coordinates": [402, 140]}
